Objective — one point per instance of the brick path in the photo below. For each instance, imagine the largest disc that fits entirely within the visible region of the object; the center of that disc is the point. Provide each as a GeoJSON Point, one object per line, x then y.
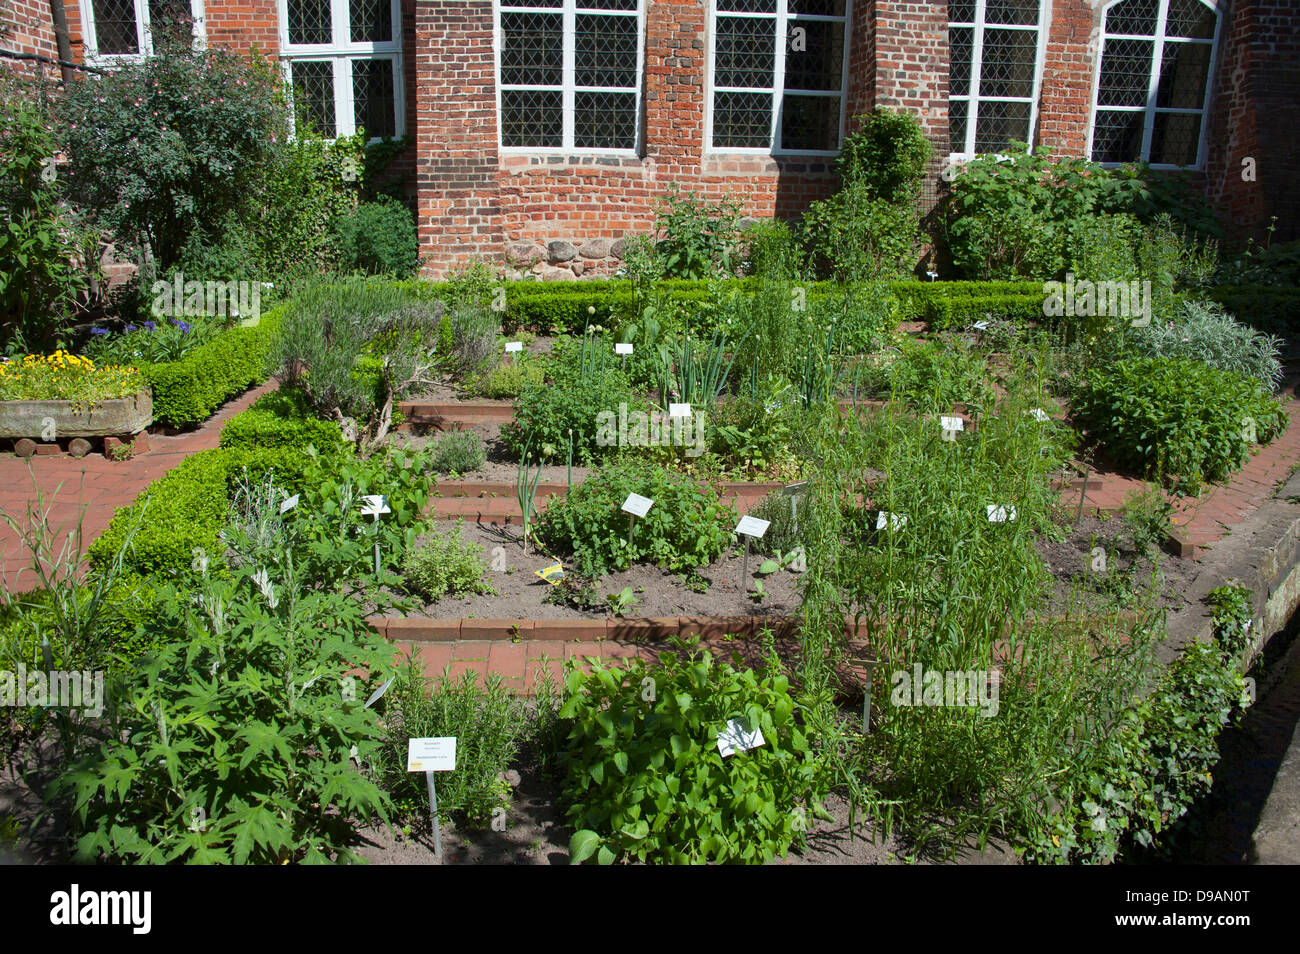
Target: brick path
{"type": "Point", "coordinates": [95, 482]}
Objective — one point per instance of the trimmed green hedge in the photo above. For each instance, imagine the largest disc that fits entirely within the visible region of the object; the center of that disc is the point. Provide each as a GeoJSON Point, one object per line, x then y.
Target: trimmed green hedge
{"type": "Point", "coordinates": [186, 392]}
{"type": "Point", "coordinates": [188, 506]}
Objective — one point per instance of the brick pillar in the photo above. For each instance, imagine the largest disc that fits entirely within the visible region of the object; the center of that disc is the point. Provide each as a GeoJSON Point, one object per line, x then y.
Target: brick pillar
{"type": "Point", "coordinates": [675, 55]}
{"type": "Point", "coordinates": [241, 26]}
{"type": "Point", "coordinates": [457, 163]}
{"type": "Point", "coordinates": [1069, 62]}
{"type": "Point", "coordinates": [908, 43]}
{"type": "Point", "coordinates": [1256, 114]}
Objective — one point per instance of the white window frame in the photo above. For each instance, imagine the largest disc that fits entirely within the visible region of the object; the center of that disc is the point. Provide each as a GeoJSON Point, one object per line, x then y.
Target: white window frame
{"type": "Point", "coordinates": [783, 19]}
{"type": "Point", "coordinates": [972, 99]}
{"type": "Point", "coordinates": [143, 34]}
{"type": "Point", "coordinates": [340, 52]}
{"type": "Point", "coordinates": [1153, 83]}
{"type": "Point", "coordinates": [568, 87]}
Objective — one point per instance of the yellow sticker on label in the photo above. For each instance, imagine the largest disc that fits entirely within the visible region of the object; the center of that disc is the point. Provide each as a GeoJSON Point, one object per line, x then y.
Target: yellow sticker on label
{"type": "Point", "coordinates": [551, 574]}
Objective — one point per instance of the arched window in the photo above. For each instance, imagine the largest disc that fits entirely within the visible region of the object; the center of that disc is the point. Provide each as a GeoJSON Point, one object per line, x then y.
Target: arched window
{"type": "Point", "coordinates": [1153, 85]}
{"type": "Point", "coordinates": [995, 58]}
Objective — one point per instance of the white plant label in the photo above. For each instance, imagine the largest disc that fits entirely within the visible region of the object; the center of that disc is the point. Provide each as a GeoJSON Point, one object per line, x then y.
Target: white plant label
{"type": "Point", "coordinates": [952, 423]}
{"type": "Point", "coordinates": [288, 504]}
{"type": "Point", "coordinates": [514, 346]}
{"type": "Point", "coordinates": [1039, 415]}
{"type": "Point", "coordinates": [623, 347]}
{"type": "Point", "coordinates": [753, 527]}
{"type": "Point", "coordinates": [679, 410]}
{"type": "Point", "coordinates": [637, 505]}
{"type": "Point", "coordinates": [981, 325]}
{"type": "Point", "coordinates": [379, 693]}
{"type": "Point", "coordinates": [998, 514]}
{"type": "Point", "coordinates": [372, 505]}
{"type": "Point", "coordinates": [895, 521]}
{"type": "Point", "coordinates": [737, 737]}
{"type": "Point", "coordinates": [431, 755]}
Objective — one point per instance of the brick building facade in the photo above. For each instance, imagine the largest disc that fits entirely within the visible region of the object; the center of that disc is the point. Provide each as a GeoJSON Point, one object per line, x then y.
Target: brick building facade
{"type": "Point", "coordinates": [546, 130]}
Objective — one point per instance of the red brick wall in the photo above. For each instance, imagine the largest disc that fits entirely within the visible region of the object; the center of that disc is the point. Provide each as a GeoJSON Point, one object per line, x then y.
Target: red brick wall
{"type": "Point", "coordinates": [1256, 114]}
{"type": "Point", "coordinates": [1069, 64]}
{"type": "Point", "coordinates": [26, 26]}
{"type": "Point", "coordinates": [243, 26]}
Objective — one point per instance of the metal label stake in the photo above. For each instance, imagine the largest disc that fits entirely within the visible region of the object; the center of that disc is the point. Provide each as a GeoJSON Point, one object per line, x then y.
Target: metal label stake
{"type": "Point", "coordinates": [433, 807]}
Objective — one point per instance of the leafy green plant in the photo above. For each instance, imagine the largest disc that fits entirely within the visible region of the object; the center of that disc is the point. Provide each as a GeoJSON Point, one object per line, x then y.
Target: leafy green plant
{"type": "Point", "coordinates": [459, 452]}
{"type": "Point", "coordinates": [239, 732]}
{"type": "Point", "coordinates": [508, 380]}
{"type": "Point", "coordinates": [378, 238]}
{"type": "Point", "coordinates": [644, 777]}
{"type": "Point", "coordinates": [1176, 417]}
{"type": "Point", "coordinates": [489, 724]}
{"type": "Point", "coordinates": [1206, 332]}
{"type": "Point", "coordinates": [474, 330]}
{"type": "Point", "coordinates": [687, 527]}
{"type": "Point", "coordinates": [39, 283]}
{"type": "Point", "coordinates": [699, 237]}
{"type": "Point", "coordinates": [443, 563]}
{"type": "Point", "coordinates": [622, 601]}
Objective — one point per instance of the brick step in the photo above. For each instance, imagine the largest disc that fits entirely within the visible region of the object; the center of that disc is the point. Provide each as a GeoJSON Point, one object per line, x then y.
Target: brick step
{"type": "Point", "coordinates": [452, 415]}
{"type": "Point", "coordinates": [424, 629]}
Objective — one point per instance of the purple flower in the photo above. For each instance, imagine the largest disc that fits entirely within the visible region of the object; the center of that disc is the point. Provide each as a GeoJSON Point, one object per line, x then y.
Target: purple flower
{"type": "Point", "coordinates": [150, 325]}
{"type": "Point", "coordinates": [100, 331]}
{"type": "Point", "coordinates": [130, 327]}
{"type": "Point", "coordinates": [184, 326]}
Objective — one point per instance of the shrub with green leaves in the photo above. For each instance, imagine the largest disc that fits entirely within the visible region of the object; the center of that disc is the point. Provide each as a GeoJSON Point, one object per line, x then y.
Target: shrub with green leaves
{"type": "Point", "coordinates": [379, 239]}
{"type": "Point", "coordinates": [932, 375]}
{"type": "Point", "coordinates": [237, 735]}
{"type": "Point", "coordinates": [699, 237]}
{"type": "Point", "coordinates": [688, 526]}
{"type": "Point", "coordinates": [282, 418]}
{"type": "Point", "coordinates": [443, 563]}
{"type": "Point", "coordinates": [644, 778]}
{"type": "Point", "coordinates": [583, 379]}
{"type": "Point", "coordinates": [1205, 332]}
{"type": "Point", "coordinates": [508, 380]}
{"type": "Point", "coordinates": [489, 724]}
{"type": "Point", "coordinates": [459, 452]}
{"type": "Point", "coordinates": [1177, 418]}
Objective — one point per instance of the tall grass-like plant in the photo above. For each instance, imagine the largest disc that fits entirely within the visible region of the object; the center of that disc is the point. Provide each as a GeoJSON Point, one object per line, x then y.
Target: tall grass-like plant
{"type": "Point", "coordinates": [526, 481]}
{"type": "Point", "coordinates": [697, 376]}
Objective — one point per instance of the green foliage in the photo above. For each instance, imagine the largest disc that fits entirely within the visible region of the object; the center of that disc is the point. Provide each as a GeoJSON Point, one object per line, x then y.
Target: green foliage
{"type": "Point", "coordinates": [1175, 417]}
{"type": "Point", "coordinates": [933, 374]}
{"type": "Point", "coordinates": [282, 418]}
{"type": "Point", "coordinates": [870, 228]}
{"type": "Point", "coordinates": [460, 453]}
{"type": "Point", "coordinates": [699, 238]}
{"type": "Point", "coordinates": [355, 348]}
{"type": "Point", "coordinates": [239, 733]}
{"type": "Point", "coordinates": [773, 250]}
{"type": "Point", "coordinates": [644, 778]}
{"type": "Point", "coordinates": [783, 531]}
{"type": "Point", "coordinates": [583, 381]}
{"type": "Point", "coordinates": [474, 330]}
{"type": "Point", "coordinates": [489, 725]}
{"type": "Point", "coordinates": [688, 527]}
{"type": "Point", "coordinates": [186, 392]}
{"type": "Point", "coordinates": [888, 154]}
{"type": "Point", "coordinates": [39, 285]}
{"type": "Point", "coordinates": [379, 239]}
{"type": "Point", "coordinates": [157, 341]}
{"type": "Point", "coordinates": [170, 145]}
{"type": "Point", "coordinates": [509, 379]}
{"type": "Point", "coordinates": [443, 563]}
{"type": "Point", "coordinates": [1205, 332]}
{"type": "Point", "coordinates": [1150, 767]}
{"type": "Point", "coordinates": [1268, 309]}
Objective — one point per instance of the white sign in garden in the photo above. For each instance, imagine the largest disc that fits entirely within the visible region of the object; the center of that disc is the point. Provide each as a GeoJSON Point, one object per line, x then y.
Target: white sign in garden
{"type": "Point", "coordinates": [951, 425]}
{"type": "Point", "coordinates": [753, 527]}
{"type": "Point", "coordinates": [430, 755]}
{"type": "Point", "coordinates": [514, 346]}
{"type": "Point", "coordinates": [738, 737]}
{"type": "Point", "coordinates": [288, 504]}
{"type": "Point", "coordinates": [637, 505]}
{"type": "Point", "coordinates": [679, 410]}
{"type": "Point", "coordinates": [1000, 514]}
{"type": "Point", "coordinates": [623, 347]}
{"type": "Point", "coordinates": [895, 521]}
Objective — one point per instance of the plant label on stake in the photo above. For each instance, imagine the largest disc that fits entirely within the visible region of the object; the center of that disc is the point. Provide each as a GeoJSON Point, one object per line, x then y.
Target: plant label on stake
{"type": "Point", "coordinates": [514, 346]}
{"type": "Point", "coordinates": [624, 348]}
{"type": "Point", "coordinates": [374, 505]}
{"type": "Point", "coordinates": [431, 755]}
{"type": "Point", "coordinates": [951, 425]}
{"type": "Point", "coordinates": [793, 491]}
{"type": "Point", "coordinates": [895, 521]}
{"type": "Point", "coordinates": [379, 693]}
{"type": "Point", "coordinates": [1000, 514]}
{"type": "Point", "coordinates": [750, 527]}
{"type": "Point", "coordinates": [679, 410]}
{"type": "Point", "coordinates": [635, 506]}
{"type": "Point", "coordinates": [1039, 415]}
{"type": "Point", "coordinates": [288, 504]}
{"type": "Point", "coordinates": [737, 737]}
